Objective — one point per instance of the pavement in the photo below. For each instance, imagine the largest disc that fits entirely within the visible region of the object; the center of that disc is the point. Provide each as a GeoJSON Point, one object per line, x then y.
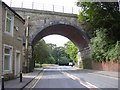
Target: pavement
{"type": "Point", "coordinates": [106, 73]}
{"type": "Point", "coordinates": [28, 77]}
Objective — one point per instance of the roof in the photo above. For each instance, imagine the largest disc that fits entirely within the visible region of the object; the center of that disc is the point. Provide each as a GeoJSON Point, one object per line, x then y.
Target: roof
{"type": "Point", "coordinates": [13, 11]}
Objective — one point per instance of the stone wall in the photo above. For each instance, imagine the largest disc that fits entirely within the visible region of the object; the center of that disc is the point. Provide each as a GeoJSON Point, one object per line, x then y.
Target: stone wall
{"type": "Point", "coordinates": [86, 58]}
{"type": "Point", "coordinates": [39, 18]}
{"type": "Point", "coordinates": [88, 63]}
{"type": "Point", "coordinates": [14, 41]}
{"type": "Point", "coordinates": [107, 66]}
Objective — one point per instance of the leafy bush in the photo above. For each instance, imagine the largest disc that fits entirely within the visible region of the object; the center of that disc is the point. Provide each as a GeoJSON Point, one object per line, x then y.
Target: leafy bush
{"type": "Point", "coordinates": [114, 51]}
{"type": "Point", "coordinates": [64, 60]}
{"type": "Point", "coordinates": [72, 50]}
{"type": "Point", "coordinates": [104, 48]}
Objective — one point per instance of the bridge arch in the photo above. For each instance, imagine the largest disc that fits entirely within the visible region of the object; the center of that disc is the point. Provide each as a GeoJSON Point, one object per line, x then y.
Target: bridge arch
{"type": "Point", "coordinates": [78, 36]}
{"type": "Point", "coordinates": [43, 23]}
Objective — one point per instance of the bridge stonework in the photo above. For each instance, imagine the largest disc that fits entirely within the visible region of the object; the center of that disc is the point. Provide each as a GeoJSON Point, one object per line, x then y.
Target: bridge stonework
{"type": "Point", "coordinates": [39, 18]}
{"type": "Point", "coordinates": [43, 23]}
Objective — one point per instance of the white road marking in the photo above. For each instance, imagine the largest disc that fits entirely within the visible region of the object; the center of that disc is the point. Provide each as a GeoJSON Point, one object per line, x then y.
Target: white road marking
{"type": "Point", "coordinates": [86, 84]}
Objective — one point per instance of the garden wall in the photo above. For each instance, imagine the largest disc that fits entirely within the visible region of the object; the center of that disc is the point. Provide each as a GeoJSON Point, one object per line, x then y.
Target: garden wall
{"type": "Point", "coordinates": [107, 66]}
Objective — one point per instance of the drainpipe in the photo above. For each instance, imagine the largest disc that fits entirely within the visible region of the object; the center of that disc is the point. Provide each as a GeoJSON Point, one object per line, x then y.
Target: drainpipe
{"type": "Point", "coordinates": [1, 48]}
{"type": "Point", "coordinates": [26, 45]}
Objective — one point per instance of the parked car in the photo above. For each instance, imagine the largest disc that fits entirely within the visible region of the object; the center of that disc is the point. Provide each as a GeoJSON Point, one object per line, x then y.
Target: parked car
{"type": "Point", "coordinates": [71, 64]}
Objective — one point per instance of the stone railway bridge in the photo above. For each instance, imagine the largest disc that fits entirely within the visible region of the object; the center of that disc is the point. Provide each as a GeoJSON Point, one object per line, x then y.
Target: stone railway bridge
{"type": "Point", "coordinates": [43, 23]}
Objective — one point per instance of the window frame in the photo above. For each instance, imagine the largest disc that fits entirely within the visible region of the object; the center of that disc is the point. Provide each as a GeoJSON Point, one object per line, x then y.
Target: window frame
{"type": "Point", "coordinates": [11, 57]}
{"type": "Point", "coordinates": [12, 23]}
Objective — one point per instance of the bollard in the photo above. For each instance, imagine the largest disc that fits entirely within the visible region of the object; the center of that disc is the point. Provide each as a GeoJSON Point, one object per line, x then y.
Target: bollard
{"type": "Point", "coordinates": [20, 76]}
{"type": "Point", "coordinates": [2, 77]}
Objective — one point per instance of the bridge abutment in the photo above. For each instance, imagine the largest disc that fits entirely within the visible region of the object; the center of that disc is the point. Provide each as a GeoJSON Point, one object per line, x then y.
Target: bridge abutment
{"type": "Point", "coordinates": [85, 59]}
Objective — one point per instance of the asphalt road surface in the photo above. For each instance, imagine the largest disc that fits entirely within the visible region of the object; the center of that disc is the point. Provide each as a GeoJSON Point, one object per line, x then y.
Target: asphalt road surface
{"type": "Point", "coordinates": [68, 77]}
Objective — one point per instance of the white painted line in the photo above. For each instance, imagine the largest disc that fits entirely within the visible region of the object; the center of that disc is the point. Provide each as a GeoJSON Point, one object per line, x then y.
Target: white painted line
{"type": "Point", "coordinates": [86, 84]}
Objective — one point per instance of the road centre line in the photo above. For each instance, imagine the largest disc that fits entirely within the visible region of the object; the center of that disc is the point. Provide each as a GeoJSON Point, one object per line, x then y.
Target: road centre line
{"type": "Point", "coordinates": [86, 84]}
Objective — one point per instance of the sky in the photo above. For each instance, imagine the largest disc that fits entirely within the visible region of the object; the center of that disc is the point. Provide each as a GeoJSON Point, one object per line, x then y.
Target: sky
{"type": "Point", "coordinates": [57, 2]}
{"type": "Point", "coordinates": [69, 3]}
{"type": "Point", "coordinates": [55, 39]}
{"type": "Point", "coordinates": [46, 5]}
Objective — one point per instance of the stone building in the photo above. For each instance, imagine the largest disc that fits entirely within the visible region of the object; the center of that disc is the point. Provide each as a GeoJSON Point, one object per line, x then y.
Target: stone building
{"type": "Point", "coordinates": [11, 42]}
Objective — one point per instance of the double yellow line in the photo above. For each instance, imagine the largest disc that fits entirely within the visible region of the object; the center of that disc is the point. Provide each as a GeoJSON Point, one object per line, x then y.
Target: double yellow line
{"type": "Point", "coordinates": [37, 79]}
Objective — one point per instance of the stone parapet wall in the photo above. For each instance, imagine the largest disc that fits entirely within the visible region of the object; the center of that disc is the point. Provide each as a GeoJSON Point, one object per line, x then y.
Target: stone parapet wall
{"type": "Point", "coordinates": [39, 18]}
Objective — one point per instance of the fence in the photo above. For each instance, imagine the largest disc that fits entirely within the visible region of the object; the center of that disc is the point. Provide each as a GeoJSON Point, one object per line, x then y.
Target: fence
{"type": "Point", "coordinates": [41, 6]}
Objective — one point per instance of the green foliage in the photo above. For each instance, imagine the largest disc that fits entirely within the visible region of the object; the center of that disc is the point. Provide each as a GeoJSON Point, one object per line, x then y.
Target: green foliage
{"type": "Point", "coordinates": [71, 50]}
{"type": "Point", "coordinates": [42, 65]}
{"type": "Point", "coordinates": [51, 54]}
{"type": "Point", "coordinates": [38, 66]}
{"type": "Point", "coordinates": [42, 53]}
{"type": "Point", "coordinates": [59, 54]}
{"type": "Point", "coordinates": [64, 60]}
{"type": "Point", "coordinates": [50, 60]}
{"type": "Point", "coordinates": [104, 18]}
{"type": "Point", "coordinates": [103, 48]}
{"type": "Point", "coordinates": [101, 15]}
{"type": "Point", "coordinates": [114, 51]}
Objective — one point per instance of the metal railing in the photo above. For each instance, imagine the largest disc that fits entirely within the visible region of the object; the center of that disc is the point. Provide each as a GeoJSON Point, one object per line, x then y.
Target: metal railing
{"type": "Point", "coordinates": [42, 6]}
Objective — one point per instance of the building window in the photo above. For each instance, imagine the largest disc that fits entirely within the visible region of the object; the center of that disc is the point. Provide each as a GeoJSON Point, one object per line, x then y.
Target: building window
{"type": "Point", "coordinates": [7, 58]}
{"type": "Point", "coordinates": [9, 23]}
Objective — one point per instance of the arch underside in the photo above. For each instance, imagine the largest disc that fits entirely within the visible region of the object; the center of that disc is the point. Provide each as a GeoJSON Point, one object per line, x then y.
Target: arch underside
{"type": "Point", "coordinates": [77, 36]}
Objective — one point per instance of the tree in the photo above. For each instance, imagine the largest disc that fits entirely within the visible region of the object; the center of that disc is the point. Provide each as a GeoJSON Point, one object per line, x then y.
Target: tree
{"type": "Point", "coordinates": [42, 53]}
{"type": "Point", "coordinates": [59, 54]}
{"type": "Point", "coordinates": [101, 15]}
{"type": "Point", "coordinates": [104, 18]}
{"type": "Point", "coordinates": [102, 49]}
{"type": "Point", "coordinates": [64, 61]}
{"type": "Point", "coordinates": [71, 50]}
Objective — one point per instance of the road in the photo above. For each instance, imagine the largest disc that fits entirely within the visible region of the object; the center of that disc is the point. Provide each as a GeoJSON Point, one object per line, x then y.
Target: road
{"type": "Point", "coordinates": [68, 77]}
